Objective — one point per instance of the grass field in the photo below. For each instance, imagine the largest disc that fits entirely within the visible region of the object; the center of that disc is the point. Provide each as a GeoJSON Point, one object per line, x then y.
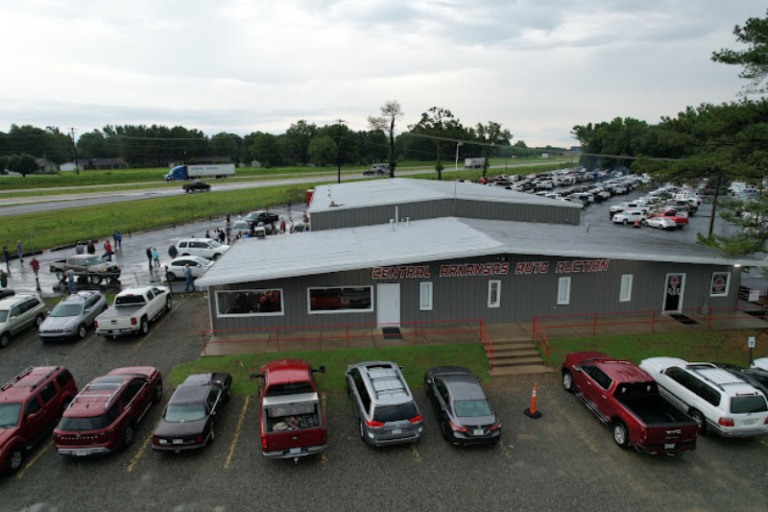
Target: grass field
{"type": "Point", "coordinates": [415, 360]}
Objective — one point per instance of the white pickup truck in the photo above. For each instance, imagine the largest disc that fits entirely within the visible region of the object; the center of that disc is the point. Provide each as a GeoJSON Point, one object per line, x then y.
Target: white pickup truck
{"type": "Point", "coordinates": [132, 311]}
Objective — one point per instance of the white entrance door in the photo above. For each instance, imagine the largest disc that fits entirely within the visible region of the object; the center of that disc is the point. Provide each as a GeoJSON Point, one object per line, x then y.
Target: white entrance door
{"type": "Point", "coordinates": [388, 304]}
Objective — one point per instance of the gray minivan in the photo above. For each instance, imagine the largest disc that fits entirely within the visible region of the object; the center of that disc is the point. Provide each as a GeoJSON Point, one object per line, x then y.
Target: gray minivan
{"type": "Point", "coordinates": [19, 312]}
{"type": "Point", "coordinates": [385, 407]}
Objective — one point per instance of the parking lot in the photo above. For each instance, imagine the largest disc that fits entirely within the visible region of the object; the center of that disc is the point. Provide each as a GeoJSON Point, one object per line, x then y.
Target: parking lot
{"type": "Point", "coordinates": [564, 461]}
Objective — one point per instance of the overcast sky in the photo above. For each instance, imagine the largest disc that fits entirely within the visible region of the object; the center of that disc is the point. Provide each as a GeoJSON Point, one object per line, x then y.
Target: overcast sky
{"type": "Point", "coordinates": [537, 67]}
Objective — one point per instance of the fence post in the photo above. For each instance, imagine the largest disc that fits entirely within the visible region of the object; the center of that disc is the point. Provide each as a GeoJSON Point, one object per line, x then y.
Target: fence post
{"type": "Point", "coordinates": [594, 326]}
{"type": "Point", "coordinates": [653, 322]}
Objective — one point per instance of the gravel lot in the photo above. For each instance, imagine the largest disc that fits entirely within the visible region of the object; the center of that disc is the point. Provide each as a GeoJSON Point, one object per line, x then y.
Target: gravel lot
{"type": "Point", "coordinates": [564, 461]}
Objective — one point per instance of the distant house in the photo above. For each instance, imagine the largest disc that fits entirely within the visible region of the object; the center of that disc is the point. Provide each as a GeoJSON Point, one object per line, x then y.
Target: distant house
{"type": "Point", "coordinates": [46, 166]}
{"type": "Point", "coordinates": [69, 167]}
{"type": "Point", "coordinates": [255, 163]}
{"type": "Point", "coordinates": [104, 163]}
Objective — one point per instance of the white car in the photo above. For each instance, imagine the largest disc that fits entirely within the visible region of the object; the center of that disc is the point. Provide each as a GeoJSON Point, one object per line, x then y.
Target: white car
{"type": "Point", "coordinates": [206, 247]}
{"type": "Point", "coordinates": [717, 399]}
{"type": "Point", "coordinates": [174, 269]}
{"type": "Point", "coordinates": [628, 217]}
{"type": "Point", "coordinates": [761, 363]}
{"type": "Point", "coordinates": [660, 223]}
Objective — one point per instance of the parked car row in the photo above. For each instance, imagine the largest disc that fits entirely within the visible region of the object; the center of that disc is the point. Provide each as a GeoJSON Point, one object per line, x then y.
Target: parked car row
{"type": "Point", "coordinates": [661, 406]}
{"type": "Point", "coordinates": [668, 207]}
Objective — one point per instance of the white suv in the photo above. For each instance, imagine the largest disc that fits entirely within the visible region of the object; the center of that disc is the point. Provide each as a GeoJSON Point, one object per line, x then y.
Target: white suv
{"type": "Point", "coordinates": [206, 247]}
{"type": "Point", "coordinates": [715, 398]}
{"type": "Point", "coordinates": [629, 216]}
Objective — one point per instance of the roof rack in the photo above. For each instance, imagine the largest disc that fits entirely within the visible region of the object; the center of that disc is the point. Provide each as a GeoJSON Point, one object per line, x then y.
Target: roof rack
{"type": "Point", "coordinates": [16, 378]}
{"type": "Point", "coordinates": [110, 395]}
{"type": "Point", "coordinates": [26, 372]}
{"type": "Point", "coordinates": [698, 367]}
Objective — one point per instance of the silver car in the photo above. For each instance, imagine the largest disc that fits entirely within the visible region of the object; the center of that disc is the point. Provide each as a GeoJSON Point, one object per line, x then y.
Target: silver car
{"type": "Point", "coordinates": [72, 316]}
{"type": "Point", "coordinates": [385, 407]}
{"type": "Point", "coordinates": [174, 269]}
{"type": "Point", "coordinates": [19, 312]}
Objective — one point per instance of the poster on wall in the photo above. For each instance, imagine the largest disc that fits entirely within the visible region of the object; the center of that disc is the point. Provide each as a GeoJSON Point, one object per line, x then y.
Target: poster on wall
{"type": "Point", "coordinates": [719, 286]}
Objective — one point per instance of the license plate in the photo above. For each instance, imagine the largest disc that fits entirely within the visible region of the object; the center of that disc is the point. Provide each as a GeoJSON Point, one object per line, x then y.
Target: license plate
{"type": "Point", "coordinates": [163, 441]}
{"type": "Point", "coordinates": [669, 446]}
{"type": "Point", "coordinates": [750, 422]}
{"type": "Point", "coordinates": [178, 441]}
{"type": "Point", "coordinates": [478, 431]}
{"type": "Point", "coordinates": [397, 431]}
{"type": "Point", "coordinates": [294, 451]}
{"type": "Point", "coordinates": [79, 453]}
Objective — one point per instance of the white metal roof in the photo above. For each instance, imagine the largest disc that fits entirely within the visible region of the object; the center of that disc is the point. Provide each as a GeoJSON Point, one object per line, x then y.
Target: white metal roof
{"type": "Point", "coordinates": [360, 194]}
{"type": "Point", "coordinates": [338, 250]}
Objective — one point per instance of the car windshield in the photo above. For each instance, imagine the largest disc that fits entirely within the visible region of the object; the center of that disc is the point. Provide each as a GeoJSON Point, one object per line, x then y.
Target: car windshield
{"type": "Point", "coordinates": [94, 260]}
{"type": "Point", "coordinates": [67, 310]}
{"type": "Point", "coordinates": [186, 412]}
{"type": "Point", "coordinates": [127, 300]}
{"type": "Point", "coordinates": [214, 243]}
{"type": "Point", "coordinates": [387, 413]}
{"type": "Point", "coordinates": [9, 415]}
{"type": "Point", "coordinates": [3, 315]}
{"type": "Point", "coordinates": [202, 261]}
{"type": "Point", "coordinates": [472, 408]}
{"type": "Point", "coordinates": [747, 404]}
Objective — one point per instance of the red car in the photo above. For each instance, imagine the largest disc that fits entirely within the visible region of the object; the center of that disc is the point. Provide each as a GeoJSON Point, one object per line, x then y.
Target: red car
{"type": "Point", "coordinates": [679, 216]}
{"type": "Point", "coordinates": [625, 397]}
{"type": "Point", "coordinates": [30, 404]}
{"type": "Point", "coordinates": [292, 422]}
{"type": "Point", "coordinates": [103, 417]}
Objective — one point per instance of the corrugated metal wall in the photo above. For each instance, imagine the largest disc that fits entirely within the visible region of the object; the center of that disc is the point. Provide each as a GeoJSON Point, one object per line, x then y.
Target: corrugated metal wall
{"type": "Point", "coordinates": [522, 296]}
{"type": "Point", "coordinates": [372, 215]}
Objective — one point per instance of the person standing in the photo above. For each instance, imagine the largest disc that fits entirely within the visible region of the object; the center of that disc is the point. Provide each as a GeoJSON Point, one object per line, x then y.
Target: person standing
{"type": "Point", "coordinates": [35, 266]}
{"type": "Point", "coordinates": [6, 255]}
{"type": "Point", "coordinates": [282, 225]}
{"type": "Point", "coordinates": [289, 206]}
{"type": "Point", "coordinates": [3, 278]}
{"type": "Point", "coordinates": [290, 227]}
{"type": "Point", "coordinates": [221, 237]}
{"type": "Point", "coordinates": [108, 250]}
{"type": "Point", "coordinates": [207, 234]}
{"type": "Point", "coordinates": [190, 281]}
{"type": "Point", "coordinates": [172, 252]}
{"type": "Point", "coordinates": [79, 249]}
{"type": "Point", "coordinates": [149, 257]}
{"type": "Point", "coordinates": [91, 247]}
{"type": "Point", "coordinates": [71, 281]}
{"type": "Point", "coordinates": [20, 250]}
{"type": "Point", "coordinates": [119, 240]}
{"type": "Point", "coordinates": [156, 257]}
{"type": "Point", "coordinates": [228, 220]}
{"type": "Point", "coordinates": [114, 238]}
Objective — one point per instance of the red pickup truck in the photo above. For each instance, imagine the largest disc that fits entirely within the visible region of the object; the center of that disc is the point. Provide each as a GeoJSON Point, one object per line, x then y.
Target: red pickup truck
{"type": "Point", "coordinates": [625, 397]}
{"type": "Point", "coordinates": [292, 422]}
{"type": "Point", "coordinates": [679, 216]}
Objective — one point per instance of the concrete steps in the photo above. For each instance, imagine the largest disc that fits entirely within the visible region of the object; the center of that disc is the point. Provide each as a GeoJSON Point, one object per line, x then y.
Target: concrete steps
{"type": "Point", "coordinates": [520, 370]}
{"type": "Point", "coordinates": [516, 357]}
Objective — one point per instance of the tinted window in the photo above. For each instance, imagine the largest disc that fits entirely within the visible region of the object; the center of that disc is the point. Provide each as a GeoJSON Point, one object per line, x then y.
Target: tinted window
{"type": "Point", "coordinates": [291, 388]}
{"type": "Point", "coordinates": [64, 310]}
{"type": "Point", "coordinates": [63, 378]}
{"type": "Point", "coordinates": [211, 400]}
{"type": "Point", "coordinates": [48, 392]}
{"type": "Point", "coordinates": [183, 244]}
{"type": "Point", "coordinates": [709, 394]}
{"type": "Point", "coordinates": [150, 295]}
{"type": "Point", "coordinates": [9, 415]}
{"type": "Point", "coordinates": [386, 413]}
{"type": "Point", "coordinates": [249, 302]}
{"type": "Point", "coordinates": [87, 424]}
{"type": "Point", "coordinates": [338, 299]}
{"type": "Point", "coordinates": [186, 412]}
{"type": "Point", "coordinates": [745, 404]}
{"type": "Point", "coordinates": [472, 408]}
{"type": "Point", "coordinates": [443, 390]}
{"type": "Point", "coordinates": [131, 390]}
{"type": "Point", "coordinates": [126, 300]}
{"type": "Point", "coordinates": [33, 406]}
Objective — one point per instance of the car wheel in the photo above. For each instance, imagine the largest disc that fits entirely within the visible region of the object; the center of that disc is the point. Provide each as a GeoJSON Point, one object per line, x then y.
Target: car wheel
{"type": "Point", "coordinates": [170, 276]}
{"type": "Point", "coordinates": [61, 276]}
{"type": "Point", "coordinates": [227, 395]}
{"type": "Point", "coordinates": [216, 257]}
{"type": "Point", "coordinates": [568, 381]}
{"type": "Point", "coordinates": [5, 339]}
{"type": "Point", "coordinates": [444, 431]}
{"type": "Point", "coordinates": [158, 396]}
{"type": "Point", "coordinates": [144, 326]}
{"type": "Point", "coordinates": [349, 388]}
{"type": "Point", "coordinates": [168, 304]}
{"type": "Point", "coordinates": [95, 280]}
{"type": "Point", "coordinates": [625, 222]}
{"type": "Point", "coordinates": [15, 459]}
{"type": "Point", "coordinates": [81, 331]}
{"type": "Point", "coordinates": [620, 434]}
{"type": "Point", "coordinates": [39, 320]}
{"type": "Point", "coordinates": [699, 419]}
{"type": "Point", "coordinates": [129, 433]}
{"type": "Point", "coordinates": [661, 226]}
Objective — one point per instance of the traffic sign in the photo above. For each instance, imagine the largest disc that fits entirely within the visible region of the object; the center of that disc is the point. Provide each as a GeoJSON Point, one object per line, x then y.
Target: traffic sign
{"type": "Point", "coordinates": [751, 342]}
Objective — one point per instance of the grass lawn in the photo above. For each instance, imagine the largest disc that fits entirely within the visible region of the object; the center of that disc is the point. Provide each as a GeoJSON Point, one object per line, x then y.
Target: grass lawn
{"type": "Point", "coordinates": [416, 361]}
{"type": "Point", "coordinates": [727, 346]}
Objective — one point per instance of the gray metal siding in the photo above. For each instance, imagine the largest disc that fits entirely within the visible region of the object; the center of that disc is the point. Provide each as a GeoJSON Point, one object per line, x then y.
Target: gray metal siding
{"type": "Point", "coordinates": [355, 217]}
{"type": "Point", "coordinates": [522, 296]}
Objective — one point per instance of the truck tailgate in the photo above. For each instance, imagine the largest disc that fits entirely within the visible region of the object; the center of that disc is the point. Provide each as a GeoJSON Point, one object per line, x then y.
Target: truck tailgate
{"type": "Point", "coordinates": [281, 441]}
{"type": "Point", "coordinates": [118, 317]}
{"type": "Point", "coordinates": [291, 425]}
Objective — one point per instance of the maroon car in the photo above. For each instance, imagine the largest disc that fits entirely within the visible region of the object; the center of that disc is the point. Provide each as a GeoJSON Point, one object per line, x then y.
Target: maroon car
{"type": "Point", "coordinates": [30, 405]}
{"type": "Point", "coordinates": [103, 417]}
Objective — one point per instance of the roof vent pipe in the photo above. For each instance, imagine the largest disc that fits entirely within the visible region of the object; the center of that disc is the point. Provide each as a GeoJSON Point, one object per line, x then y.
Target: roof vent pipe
{"type": "Point", "coordinates": [407, 222]}
{"type": "Point", "coordinates": [587, 226]}
{"type": "Point", "coordinates": [397, 217]}
{"type": "Point", "coordinates": [392, 223]}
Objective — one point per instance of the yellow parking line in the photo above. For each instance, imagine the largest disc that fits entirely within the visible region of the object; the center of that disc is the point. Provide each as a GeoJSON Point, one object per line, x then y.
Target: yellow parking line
{"type": "Point", "coordinates": [29, 465]}
{"type": "Point", "coordinates": [504, 450]}
{"type": "Point", "coordinates": [763, 442]}
{"type": "Point", "coordinates": [143, 448]}
{"type": "Point", "coordinates": [151, 332]}
{"type": "Point", "coordinates": [416, 453]}
{"type": "Point", "coordinates": [80, 347]}
{"type": "Point", "coordinates": [237, 432]}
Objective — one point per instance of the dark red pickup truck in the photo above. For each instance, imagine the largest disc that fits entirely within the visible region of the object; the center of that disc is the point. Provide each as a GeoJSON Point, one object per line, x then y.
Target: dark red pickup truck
{"type": "Point", "coordinates": [625, 397]}
{"type": "Point", "coordinates": [292, 422]}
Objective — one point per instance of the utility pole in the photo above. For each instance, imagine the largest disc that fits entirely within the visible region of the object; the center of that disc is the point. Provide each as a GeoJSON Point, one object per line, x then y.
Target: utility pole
{"type": "Point", "coordinates": [74, 146]}
{"type": "Point", "coordinates": [338, 148]}
{"type": "Point", "coordinates": [714, 206]}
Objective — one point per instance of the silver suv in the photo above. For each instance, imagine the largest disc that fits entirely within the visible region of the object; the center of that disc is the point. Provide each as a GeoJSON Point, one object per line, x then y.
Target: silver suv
{"type": "Point", "coordinates": [72, 316]}
{"type": "Point", "coordinates": [19, 312]}
{"type": "Point", "coordinates": [385, 407]}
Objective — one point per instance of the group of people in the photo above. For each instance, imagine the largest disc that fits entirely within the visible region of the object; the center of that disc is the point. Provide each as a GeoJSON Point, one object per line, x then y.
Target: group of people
{"type": "Point", "coordinates": [6, 272]}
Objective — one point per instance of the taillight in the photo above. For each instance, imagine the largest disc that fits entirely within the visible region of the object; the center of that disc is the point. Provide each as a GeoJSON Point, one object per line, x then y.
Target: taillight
{"type": "Point", "coordinates": [155, 440]}
{"type": "Point", "coordinates": [766, 421]}
{"type": "Point", "coordinates": [263, 443]}
{"type": "Point", "coordinates": [417, 419]}
{"type": "Point", "coordinates": [726, 422]}
{"type": "Point", "coordinates": [457, 428]}
{"type": "Point", "coordinates": [374, 424]}
{"type": "Point", "coordinates": [96, 323]}
{"type": "Point", "coordinates": [133, 321]}
{"type": "Point", "coordinates": [495, 427]}
{"type": "Point", "coordinates": [643, 433]}
{"type": "Point", "coordinates": [199, 439]}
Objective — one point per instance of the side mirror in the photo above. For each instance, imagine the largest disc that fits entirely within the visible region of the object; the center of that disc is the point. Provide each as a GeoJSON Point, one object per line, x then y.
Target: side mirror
{"type": "Point", "coordinates": [402, 368]}
{"type": "Point", "coordinates": [255, 376]}
{"type": "Point", "coordinates": [32, 416]}
{"type": "Point", "coordinates": [577, 368]}
{"type": "Point", "coordinates": [319, 370]}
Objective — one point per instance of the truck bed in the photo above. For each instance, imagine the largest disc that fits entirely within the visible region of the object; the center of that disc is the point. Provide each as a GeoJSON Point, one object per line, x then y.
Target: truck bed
{"type": "Point", "coordinates": [654, 410]}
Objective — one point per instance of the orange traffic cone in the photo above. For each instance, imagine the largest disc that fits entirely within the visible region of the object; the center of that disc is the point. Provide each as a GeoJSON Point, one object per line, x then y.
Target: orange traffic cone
{"type": "Point", "coordinates": [532, 412]}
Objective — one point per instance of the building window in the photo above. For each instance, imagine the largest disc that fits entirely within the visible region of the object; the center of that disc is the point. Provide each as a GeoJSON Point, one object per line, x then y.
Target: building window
{"type": "Point", "coordinates": [721, 282]}
{"type": "Point", "coordinates": [564, 291]}
{"type": "Point", "coordinates": [494, 294]}
{"type": "Point", "coordinates": [232, 303]}
{"type": "Point", "coordinates": [625, 295]}
{"type": "Point", "coordinates": [357, 299]}
{"type": "Point", "coordinates": [425, 296]}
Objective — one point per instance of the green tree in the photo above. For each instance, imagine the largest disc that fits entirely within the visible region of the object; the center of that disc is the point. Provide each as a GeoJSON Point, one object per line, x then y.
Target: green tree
{"type": "Point", "coordinates": [267, 149]}
{"type": "Point", "coordinates": [3, 164]}
{"type": "Point", "coordinates": [390, 112]}
{"type": "Point", "coordinates": [754, 59]}
{"type": "Point", "coordinates": [225, 144]}
{"type": "Point", "coordinates": [296, 142]}
{"type": "Point", "coordinates": [322, 150]}
{"type": "Point", "coordinates": [439, 124]}
{"type": "Point", "coordinates": [491, 133]}
{"type": "Point", "coordinates": [93, 145]}
{"type": "Point", "coordinates": [23, 164]}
